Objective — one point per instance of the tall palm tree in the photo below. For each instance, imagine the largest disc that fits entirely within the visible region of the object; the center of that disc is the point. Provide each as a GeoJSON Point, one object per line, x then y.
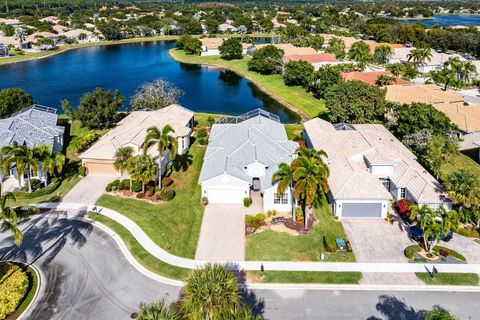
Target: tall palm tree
{"type": "Point", "coordinates": [165, 141]}
{"type": "Point", "coordinates": [20, 35]}
{"type": "Point", "coordinates": [142, 168]}
{"type": "Point", "coordinates": [24, 158]}
{"type": "Point", "coordinates": [284, 178]}
{"type": "Point", "coordinates": [467, 71]}
{"type": "Point", "coordinates": [360, 52]}
{"type": "Point", "coordinates": [210, 292]}
{"type": "Point", "coordinates": [51, 163]}
{"type": "Point", "coordinates": [9, 216]}
{"type": "Point", "coordinates": [383, 53]}
{"type": "Point", "coordinates": [463, 188]}
{"type": "Point", "coordinates": [122, 157]}
{"type": "Point", "coordinates": [157, 311]}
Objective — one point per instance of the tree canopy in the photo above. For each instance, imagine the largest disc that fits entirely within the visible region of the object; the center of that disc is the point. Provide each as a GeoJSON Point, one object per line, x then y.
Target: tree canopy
{"type": "Point", "coordinates": [298, 73]}
{"type": "Point", "coordinates": [98, 109]}
{"type": "Point", "coordinates": [324, 78]}
{"type": "Point", "coordinates": [231, 49]}
{"type": "Point", "coordinates": [266, 60]}
{"type": "Point", "coordinates": [13, 100]}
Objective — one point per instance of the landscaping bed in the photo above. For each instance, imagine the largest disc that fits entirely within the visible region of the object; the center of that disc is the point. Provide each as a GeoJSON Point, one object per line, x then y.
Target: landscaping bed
{"type": "Point", "coordinates": [415, 254]}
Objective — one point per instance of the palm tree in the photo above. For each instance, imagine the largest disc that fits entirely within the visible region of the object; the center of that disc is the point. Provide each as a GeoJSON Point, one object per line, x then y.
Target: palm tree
{"type": "Point", "coordinates": [419, 55]}
{"type": "Point", "coordinates": [157, 311]}
{"type": "Point", "coordinates": [385, 80]}
{"type": "Point", "coordinates": [51, 163]}
{"type": "Point", "coordinates": [9, 216]}
{"type": "Point", "coordinates": [383, 53]}
{"type": "Point", "coordinates": [360, 52]}
{"type": "Point", "coordinates": [24, 158]}
{"type": "Point", "coordinates": [210, 292]}
{"type": "Point", "coordinates": [21, 35]}
{"type": "Point", "coordinates": [122, 157]}
{"type": "Point", "coordinates": [463, 188]}
{"type": "Point", "coordinates": [142, 168]}
{"type": "Point", "coordinates": [284, 178]}
{"type": "Point", "coordinates": [467, 70]}
{"type": "Point", "coordinates": [165, 141]}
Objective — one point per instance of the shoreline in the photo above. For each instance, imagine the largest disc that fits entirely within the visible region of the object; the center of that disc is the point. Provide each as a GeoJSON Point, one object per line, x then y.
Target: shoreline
{"type": "Point", "coordinates": [303, 116]}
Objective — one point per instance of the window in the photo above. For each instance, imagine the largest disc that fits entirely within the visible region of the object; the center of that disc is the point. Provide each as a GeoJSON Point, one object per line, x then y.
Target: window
{"type": "Point", "coordinates": [280, 198]}
{"type": "Point", "coordinates": [183, 143]}
{"type": "Point", "coordinates": [402, 193]}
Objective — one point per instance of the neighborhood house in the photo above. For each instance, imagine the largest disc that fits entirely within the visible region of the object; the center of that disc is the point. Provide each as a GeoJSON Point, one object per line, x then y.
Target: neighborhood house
{"type": "Point", "coordinates": [368, 168]}
{"type": "Point", "coordinates": [131, 132]}
{"type": "Point", "coordinates": [243, 154]}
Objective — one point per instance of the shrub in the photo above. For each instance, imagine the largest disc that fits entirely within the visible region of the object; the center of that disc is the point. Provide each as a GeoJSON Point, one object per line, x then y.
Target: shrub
{"type": "Point", "coordinates": [299, 214]}
{"type": "Point", "coordinates": [34, 183]}
{"type": "Point", "coordinates": [261, 216]}
{"type": "Point", "coordinates": [204, 201]}
{"type": "Point", "coordinates": [247, 202]}
{"type": "Point", "coordinates": [167, 194]}
{"type": "Point", "coordinates": [410, 251]}
{"type": "Point", "coordinates": [115, 182]}
{"type": "Point", "coordinates": [166, 181]}
{"type": "Point", "coordinates": [201, 133]}
{"type": "Point", "coordinates": [272, 213]}
{"type": "Point", "coordinates": [203, 141]}
{"type": "Point", "coordinates": [54, 184]}
{"type": "Point", "coordinates": [444, 252]}
{"type": "Point", "coordinates": [136, 186]}
{"type": "Point", "coordinates": [473, 233]}
{"type": "Point", "coordinates": [329, 243]}
{"type": "Point", "coordinates": [82, 171]}
{"type": "Point", "coordinates": [252, 221]}
{"type": "Point", "coordinates": [404, 208]}
{"type": "Point", "coordinates": [108, 188]}
{"type": "Point", "coordinates": [124, 184]}
{"type": "Point", "coordinates": [349, 246]}
{"type": "Point", "coordinates": [150, 191]}
{"type": "Point", "coordinates": [140, 195]}
{"type": "Point", "coordinates": [13, 287]}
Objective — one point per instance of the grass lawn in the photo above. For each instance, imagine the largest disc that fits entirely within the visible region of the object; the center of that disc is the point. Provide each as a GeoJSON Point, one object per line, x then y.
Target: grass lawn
{"type": "Point", "coordinates": [174, 225]}
{"type": "Point", "coordinates": [293, 130]}
{"type": "Point", "coordinates": [296, 98]}
{"type": "Point", "coordinates": [461, 161]}
{"type": "Point", "coordinates": [272, 245]}
{"type": "Point", "coordinates": [454, 279]}
{"type": "Point", "coordinates": [139, 253]}
{"type": "Point", "coordinates": [306, 277]}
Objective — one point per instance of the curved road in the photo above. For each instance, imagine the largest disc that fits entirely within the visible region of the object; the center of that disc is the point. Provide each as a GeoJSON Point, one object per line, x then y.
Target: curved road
{"type": "Point", "coordinates": [85, 276]}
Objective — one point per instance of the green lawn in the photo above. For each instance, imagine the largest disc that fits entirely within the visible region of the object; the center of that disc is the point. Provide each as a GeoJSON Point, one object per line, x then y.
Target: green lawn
{"type": "Point", "coordinates": [296, 98]}
{"type": "Point", "coordinates": [454, 279]}
{"type": "Point", "coordinates": [272, 245]}
{"type": "Point", "coordinates": [461, 161]}
{"type": "Point", "coordinates": [306, 277]}
{"type": "Point", "coordinates": [293, 130]}
{"type": "Point", "coordinates": [173, 225]}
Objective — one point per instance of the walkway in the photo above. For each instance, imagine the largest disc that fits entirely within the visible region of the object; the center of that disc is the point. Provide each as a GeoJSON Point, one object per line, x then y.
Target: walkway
{"type": "Point", "coordinates": [167, 257]}
{"type": "Point", "coordinates": [88, 189]}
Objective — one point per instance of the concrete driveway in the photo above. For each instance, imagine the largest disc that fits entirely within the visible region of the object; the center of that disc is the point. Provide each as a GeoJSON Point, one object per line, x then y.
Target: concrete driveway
{"type": "Point", "coordinates": [468, 248]}
{"type": "Point", "coordinates": [88, 190]}
{"type": "Point", "coordinates": [222, 236]}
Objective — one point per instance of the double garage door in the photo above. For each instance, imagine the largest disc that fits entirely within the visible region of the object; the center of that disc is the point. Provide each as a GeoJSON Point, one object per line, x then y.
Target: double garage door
{"type": "Point", "coordinates": [361, 210]}
{"type": "Point", "coordinates": [100, 168]}
{"type": "Point", "coordinates": [226, 195]}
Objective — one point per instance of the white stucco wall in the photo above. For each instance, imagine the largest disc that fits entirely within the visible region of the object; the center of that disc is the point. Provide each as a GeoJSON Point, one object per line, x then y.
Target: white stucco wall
{"type": "Point", "coordinates": [183, 144]}
{"type": "Point", "coordinates": [268, 204]}
{"type": "Point", "coordinates": [256, 169]}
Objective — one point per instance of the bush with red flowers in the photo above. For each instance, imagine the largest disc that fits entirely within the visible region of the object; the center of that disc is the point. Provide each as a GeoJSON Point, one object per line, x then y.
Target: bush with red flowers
{"type": "Point", "coordinates": [404, 208]}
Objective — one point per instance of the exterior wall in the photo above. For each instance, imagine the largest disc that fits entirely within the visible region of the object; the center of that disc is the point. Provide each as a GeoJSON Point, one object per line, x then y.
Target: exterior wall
{"type": "Point", "coordinates": [183, 144]}
{"type": "Point", "coordinates": [256, 169]}
{"type": "Point", "coordinates": [57, 144]}
{"type": "Point", "coordinates": [381, 171]}
{"type": "Point", "coordinates": [338, 205]}
{"type": "Point", "coordinates": [268, 203]}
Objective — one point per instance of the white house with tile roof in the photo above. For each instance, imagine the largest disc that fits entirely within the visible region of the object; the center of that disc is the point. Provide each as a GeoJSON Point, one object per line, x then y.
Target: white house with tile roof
{"type": "Point", "coordinates": [369, 167]}
{"type": "Point", "coordinates": [131, 131]}
{"type": "Point", "coordinates": [242, 155]}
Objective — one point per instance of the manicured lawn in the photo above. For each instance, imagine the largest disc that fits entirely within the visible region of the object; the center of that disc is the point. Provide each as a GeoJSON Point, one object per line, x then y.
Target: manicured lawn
{"type": "Point", "coordinates": [201, 118]}
{"type": "Point", "coordinates": [454, 279]}
{"type": "Point", "coordinates": [272, 84]}
{"type": "Point", "coordinates": [293, 130]}
{"type": "Point", "coordinates": [173, 225]}
{"type": "Point", "coordinates": [139, 253]}
{"type": "Point", "coordinates": [461, 161]}
{"type": "Point", "coordinates": [306, 277]}
{"type": "Point", "coordinates": [272, 245]}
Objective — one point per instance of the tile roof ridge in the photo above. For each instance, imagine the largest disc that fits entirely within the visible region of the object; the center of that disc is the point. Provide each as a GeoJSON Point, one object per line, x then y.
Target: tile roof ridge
{"type": "Point", "coordinates": [34, 126]}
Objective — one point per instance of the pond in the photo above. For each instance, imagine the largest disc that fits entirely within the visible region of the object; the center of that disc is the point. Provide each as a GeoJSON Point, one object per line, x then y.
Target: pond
{"type": "Point", "coordinates": [448, 21]}
{"type": "Point", "coordinates": [124, 67]}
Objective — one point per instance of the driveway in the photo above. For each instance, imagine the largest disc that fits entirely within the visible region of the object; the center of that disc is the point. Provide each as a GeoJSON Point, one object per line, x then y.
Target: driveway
{"type": "Point", "coordinates": [468, 248]}
{"type": "Point", "coordinates": [375, 240]}
{"type": "Point", "coordinates": [88, 190]}
{"type": "Point", "coordinates": [222, 236]}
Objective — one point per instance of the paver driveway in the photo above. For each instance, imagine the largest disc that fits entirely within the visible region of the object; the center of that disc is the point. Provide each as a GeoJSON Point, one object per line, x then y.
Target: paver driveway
{"type": "Point", "coordinates": [467, 247]}
{"type": "Point", "coordinates": [88, 190]}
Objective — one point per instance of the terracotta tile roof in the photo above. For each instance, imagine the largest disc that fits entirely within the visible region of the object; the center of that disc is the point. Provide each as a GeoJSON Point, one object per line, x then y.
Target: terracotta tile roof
{"type": "Point", "coordinates": [214, 43]}
{"type": "Point", "coordinates": [312, 58]}
{"type": "Point", "coordinates": [467, 118]}
{"type": "Point", "coordinates": [370, 77]}
{"type": "Point", "coordinates": [425, 93]}
{"type": "Point", "coordinates": [289, 49]}
{"type": "Point", "coordinates": [374, 44]}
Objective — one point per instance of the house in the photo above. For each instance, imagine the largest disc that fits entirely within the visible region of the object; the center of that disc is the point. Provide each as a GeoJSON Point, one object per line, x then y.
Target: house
{"type": "Point", "coordinates": [371, 77]}
{"type": "Point", "coordinates": [11, 22]}
{"type": "Point", "coordinates": [3, 51]}
{"type": "Point", "coordinates": [225, 28]}
{"type": "Point", "coordinates": [374, 45]}
{"type": "Point", "coordinates": [131, 131]}
{"type": "Point", "coordinates": [316, 60]}
{"type": "Point", "coordinates": [437, 61]}
{"type": "Point", "coordinates": [288, 49]}
{"type": "Point", "coordinates": [242, 155]}
{"type": "Point", "coordinates": [50, 19]}
{"type": "Point", "coordinates": [31, 127]}
{"type": "Point", "coordinates": [60, 29]}
{"type": "Point", "coordinates": [400, 55]}
{"type": "Point", "coordinates": [80, 35]}
{"type": "Point", "coordinates": [210, 46]}
{"type": "Point", "coordinates": [14, 42]}
{"type": "Point", "coordinates": [369, 167]}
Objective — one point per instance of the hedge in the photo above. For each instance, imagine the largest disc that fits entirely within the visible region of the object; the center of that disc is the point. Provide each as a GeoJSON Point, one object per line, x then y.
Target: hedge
{"type": "Point", "coordinates": [247, 202]}
{"type": "Point", "coordinates": [54, 184]}
{"type": "Point", "coordinates": [467, 233]}
{"type": "Point", "coordinates": [330, 244]}
{"type": "Point", "coordinates": [411, 250]}
{"type": "Point", "coordinates": [13, 287]}
{"type": "Point", "coordinates": [167, 194]}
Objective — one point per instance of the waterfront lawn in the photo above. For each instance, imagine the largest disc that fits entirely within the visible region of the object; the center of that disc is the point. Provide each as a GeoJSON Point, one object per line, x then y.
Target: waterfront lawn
{"type": "Point", "coordinates": [453, 279]}
{"type": "Point", "coordinates": [272, 84]}
{"type": "Point", "coordinates": [293, 130]}
{"type": "Point", "coordinates": [278, 246]}
{"type": "Point", "coordinates": [173, 225]}
{"type": "Point", "coordinates": [305, 277]}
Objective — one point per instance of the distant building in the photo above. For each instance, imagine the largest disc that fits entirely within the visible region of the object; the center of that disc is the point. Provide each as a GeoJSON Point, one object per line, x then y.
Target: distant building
{"type": "Point", "coordinates": [3, 51]}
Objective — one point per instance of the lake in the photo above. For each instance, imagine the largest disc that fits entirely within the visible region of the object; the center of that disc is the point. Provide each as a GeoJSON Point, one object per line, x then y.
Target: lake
{"type": "Point", "coordinates": [448, 21]}
{"type": "Point", "coordinates": [124, 67]}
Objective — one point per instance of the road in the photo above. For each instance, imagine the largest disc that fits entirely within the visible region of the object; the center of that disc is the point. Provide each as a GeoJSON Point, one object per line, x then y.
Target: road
{"type": "Point", "coordinates": [86, 276]}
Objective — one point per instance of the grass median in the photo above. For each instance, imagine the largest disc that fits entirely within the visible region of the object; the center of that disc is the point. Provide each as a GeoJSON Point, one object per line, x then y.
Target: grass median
{"type": "Point", "coordinates": [449, 279]}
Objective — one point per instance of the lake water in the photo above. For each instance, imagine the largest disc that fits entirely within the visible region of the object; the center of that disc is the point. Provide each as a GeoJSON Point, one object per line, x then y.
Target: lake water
{"type": "Point", "coordinates": [124, 67]}
{"type": "Point", "coordinates": [448, 21]}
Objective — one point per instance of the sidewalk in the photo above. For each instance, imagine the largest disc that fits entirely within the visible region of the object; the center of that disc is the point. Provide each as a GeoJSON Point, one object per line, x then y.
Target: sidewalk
{"type": "Point", "coordinates": [167, 257]}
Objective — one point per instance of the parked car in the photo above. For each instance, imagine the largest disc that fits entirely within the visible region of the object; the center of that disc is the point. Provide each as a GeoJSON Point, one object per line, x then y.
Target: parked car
{"type": "Point", "coordinates": [416, 233]}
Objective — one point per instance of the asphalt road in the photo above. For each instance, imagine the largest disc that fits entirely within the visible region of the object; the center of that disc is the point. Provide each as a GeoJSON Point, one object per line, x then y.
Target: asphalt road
{"type": "Point", "coordinates": [85, 276]}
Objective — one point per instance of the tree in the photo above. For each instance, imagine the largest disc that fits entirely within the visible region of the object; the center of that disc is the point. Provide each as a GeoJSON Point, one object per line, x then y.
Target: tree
{"type": "Point", "coordinates": [13, 100]}
{"type": "Point", "coordinates": [439, 151]}
{"type": "Point", "coordinates": [315, 41]}
{"type": "Point", "coordinates": [324, 78]}
{"type": "Point", "coordinates": [67, 109]}
{"type": "Point", "coordinates": [142, 168]}
{"type": "Point", "coordinates": [385, 80]}
{"type": "Point", "coordinates": [298, 73]}
{"type": "Point", "coordinates": [434, 223]}
{"type": "Point", "coordinates": [382, 53]}
{"type": "Point", "coordinates": [24, 158]}
{"type": "Point", "coordinates": [437, 314]}
{"type": "Point", "coordinates": [98, 109]}
{"type": "Point", "coordinates": [155, 95]}
{"type": "Point", "coordinates": [419, 55]}
{"type": "Point", "coordinates": [397, 69]}
{"type": "Point", "coordinates": [20, 35]}
{"type": "Point", "coordinates": [10, 216]}
{"type": "Point", "coordinates": [122, 157]}
{"type": "Point", "coordinates": [157, 311]}
{"type": "Point", "coordinates": [231, 49]}
{"type": "Point", "coordinates": [467, 71]}
{"type": "Point", "coordinates": [210, 292]}
{"type": "Point", "coordinates": [193, 46]}
{"type": "Point", "coordinates": [212, 25]}
{"type": "Point", "coordinates": [463, 188]}
{"type": "Point", "coordinates": [337, 47]}
{"type": "Point", "coordinates": [266, 60]}
{"type": "Point", "coordinates": [447, 77]}
{"type": "Point", "coordinates": [360, 53]}
{"type": "Point", "coordinates": [51, 163]}
{"type": "Point", "coordinates": [355, 102]}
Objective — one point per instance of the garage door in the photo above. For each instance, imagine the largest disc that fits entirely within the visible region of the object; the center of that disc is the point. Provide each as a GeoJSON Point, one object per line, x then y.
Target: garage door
{"type": "Point", "coordinates": [225, 195]}
{"type": "Point", "coordinates": [100, 169]}
{"type": "Point", "coordinates": [362, 210]}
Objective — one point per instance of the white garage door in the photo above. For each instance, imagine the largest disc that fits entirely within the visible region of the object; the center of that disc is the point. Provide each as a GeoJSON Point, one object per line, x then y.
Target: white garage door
{"type": "Point", "coordinates": [226, 195]}
{"type": "Point", "coordinates": [362, 210]}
